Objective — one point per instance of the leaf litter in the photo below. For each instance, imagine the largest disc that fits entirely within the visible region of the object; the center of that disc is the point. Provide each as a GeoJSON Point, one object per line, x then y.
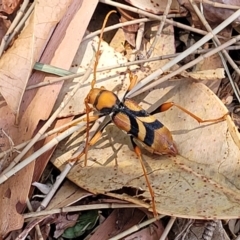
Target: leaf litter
{"type": "Point", "coordinates": [200, 182]}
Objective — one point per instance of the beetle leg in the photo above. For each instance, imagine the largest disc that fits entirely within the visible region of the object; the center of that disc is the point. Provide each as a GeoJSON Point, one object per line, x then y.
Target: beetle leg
{"type": "Point", "coordinates": [90, 143]}
{"type": "Point", "coordinates": [138, 152]}
{"type": "Point", "coordinates": [168, 105]}
{"type": "Point", "coordinates": [133, 81]}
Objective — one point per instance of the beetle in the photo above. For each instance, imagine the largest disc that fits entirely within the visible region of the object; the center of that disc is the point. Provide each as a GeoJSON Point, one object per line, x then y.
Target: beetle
{"type": "Point", "coordinates": [128, 116]}
{"type": "Point", "coordinates": [139, 124]}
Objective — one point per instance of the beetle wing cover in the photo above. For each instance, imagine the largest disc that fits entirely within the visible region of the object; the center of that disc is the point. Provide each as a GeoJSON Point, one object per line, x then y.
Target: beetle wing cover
{"type": "Point", "coordinates": [136, 121]}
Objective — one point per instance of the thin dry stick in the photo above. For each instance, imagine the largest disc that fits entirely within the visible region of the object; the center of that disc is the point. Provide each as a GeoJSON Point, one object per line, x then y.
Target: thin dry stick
{"type": "Point", "coordinates": [79, 209]}
{"type": "Point", "coordinates": [153, 16]}
{"type": "Point", "coordinates": [218, 5]}
{"type": "Point", "coordinates": [13, 25]}
{"type": "Point", "coordinates": [136, 228]}
{"type": "Point", "coordinates": [47, 134]}
{"type": "Point", "coordinates": [139, 39]}
{"type": "Point", "coordinates": [167, 228]}
{"type": "Point", "coordinates": [186, 66]}
{"type": "Point", "coordinates": [37, 227]}
{"type": "Point", "coordinates": [55, 186]}
{"type": "Point", "coordinates": [181, 56]}
{"type": "Point", "coordinates": [185, 230]}
{"type": "Point", "coordinates": [158, 35]}
{"type": "Point", "coordinates": [21, 23]}
{"type": "Point", "coordinates": [218, 43]}
{"type": "Point", "coordinates": [4, 176]}
{"type": "Point", "coordinates": [138, 62]}
{"type": "Point", "coordinates": [116, 26]}
{"type": "Point", "coordinates": [39, 152]}
{"type": "Point", "coordinates": [69, 166]}
{"type": "Point", "coordinates": [120, 25]}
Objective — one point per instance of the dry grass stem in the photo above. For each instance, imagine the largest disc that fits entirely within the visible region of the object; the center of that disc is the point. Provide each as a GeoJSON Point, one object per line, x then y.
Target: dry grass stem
{"type": "Point", "coordinates": [181, 69]}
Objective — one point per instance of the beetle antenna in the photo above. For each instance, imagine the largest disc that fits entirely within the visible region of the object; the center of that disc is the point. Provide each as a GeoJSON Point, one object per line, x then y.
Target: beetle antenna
{"type": "Point", "coordinates": [98, 52]}
{"type": "Point", "coordinates": [97, 56]}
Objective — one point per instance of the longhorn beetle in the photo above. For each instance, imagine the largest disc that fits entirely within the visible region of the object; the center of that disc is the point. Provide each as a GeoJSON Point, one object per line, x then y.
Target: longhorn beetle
{"type": "Point", "coordinates": [128, 116]}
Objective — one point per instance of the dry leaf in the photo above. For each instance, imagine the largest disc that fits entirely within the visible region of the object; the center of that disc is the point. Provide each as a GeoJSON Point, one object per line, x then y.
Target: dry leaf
{"type": "Point", "coordinates": [16, 64]}
{"type": "Point", "coordinates": [68, 194]}
{"type": "Point", "coordinates": [112, 79]}
{"type": "Point", "coordinates": [59, 46]}
{"type": "Point", "coordinates": [155, 6]}
{"type": "Point", "coordinates": [109, 229]}
{"type": "Point", "coordinates": [152, 232]}
{"type": "Point", "coordinates": [213, 74]}
{"type": "Point", "coordinates": [201, 182]}
{"type": "Point", "coordinates": [214, 15]}
{"type": "Point", "coordinates": [9, 6]}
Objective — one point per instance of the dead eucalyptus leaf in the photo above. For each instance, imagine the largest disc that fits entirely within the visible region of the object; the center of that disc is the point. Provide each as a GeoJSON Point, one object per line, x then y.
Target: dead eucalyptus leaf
{"type": "Point", "coordinates": [201, 182]}
{"type": "Point", "coordinates": [212, 74]}
{"type": "Point", "coordinates": [111, 78]}
{"type": "Point", "coordinates": [16, 64]}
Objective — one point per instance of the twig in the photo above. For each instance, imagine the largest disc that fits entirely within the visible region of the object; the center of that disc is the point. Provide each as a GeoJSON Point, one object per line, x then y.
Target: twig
{"type": "Point", "coordinates": [218, 5]}
{"type": "Point", "coordinates": [153, 16]}
{"type": "Point", "coordinates": [5, 39]}
{"type": "Point", "coordinates": [138, 62]}
{"type": "Point", "coordinates": [55, 130]}
{"type": "Point", "coordinates": [55, 186]}
{"type": "Point", "coordinates": [79, 209]}
{"type": "Point", "coordinates": [218, 43]}
{"type": "Point", "coordinates": [38, 153]}
{"type": "Point", "coordinates": [182, 55]}
{"type": "Point", "coordinates": [37, 227]}
{"type": "Point", "coordinates": [185, 230]}
{"type": "Point", "coordinates": [139, 39]}
{"type": "Point", "coordinates": [4, 176]}
{"type": "Point", "coordinates": [21, 24]}
{"type": "Point", "coordinates": [167, 228]}
{"type": "Point", "coordinates": [186, 66]}
{"type": "Point", "coordinates": [158, 35]}
{"type": "Point", "coordinates": [136, 228]}
{"type": "Point", "coordinates": [116, 26]}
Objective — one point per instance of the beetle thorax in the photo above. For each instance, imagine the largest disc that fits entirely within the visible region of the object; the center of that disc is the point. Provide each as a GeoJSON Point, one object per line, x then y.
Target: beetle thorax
{"type": "Point", "coordinates": [103, 100]}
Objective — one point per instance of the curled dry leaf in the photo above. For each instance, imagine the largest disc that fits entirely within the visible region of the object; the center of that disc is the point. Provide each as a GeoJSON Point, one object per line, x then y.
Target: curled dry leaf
{"type": "Point", "coordinates": [201, 182]}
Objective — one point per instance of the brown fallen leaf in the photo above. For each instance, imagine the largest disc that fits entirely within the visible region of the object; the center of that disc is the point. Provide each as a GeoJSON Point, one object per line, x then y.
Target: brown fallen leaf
{"type": "Point", "coordinates": [16, 64]}
{"type": "Point", "coordinates": [10, 6]}
{"type": "Point", "coordinates": [212, 74]}
{"type": "Point", "coordinates": [152, 232]}
{"type": "Point", "coordinates": [155, 6]}
{"type": "Point", "coordinates": [68, 194]}
{"type": "Point", "coordinates": [38, 106]}
{"type": "Point", "coordinates": [109, 229]}
{"type": "Point", "coordinates": [201, 182]}
{"type": "Point", "coordinates": [112, 79]}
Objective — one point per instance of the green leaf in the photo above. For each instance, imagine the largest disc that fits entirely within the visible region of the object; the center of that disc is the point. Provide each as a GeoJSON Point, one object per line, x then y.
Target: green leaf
{"type": "Point", "coordinates": [86, 221]}
{"type": "Point", "coordinates": [51, 69]}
